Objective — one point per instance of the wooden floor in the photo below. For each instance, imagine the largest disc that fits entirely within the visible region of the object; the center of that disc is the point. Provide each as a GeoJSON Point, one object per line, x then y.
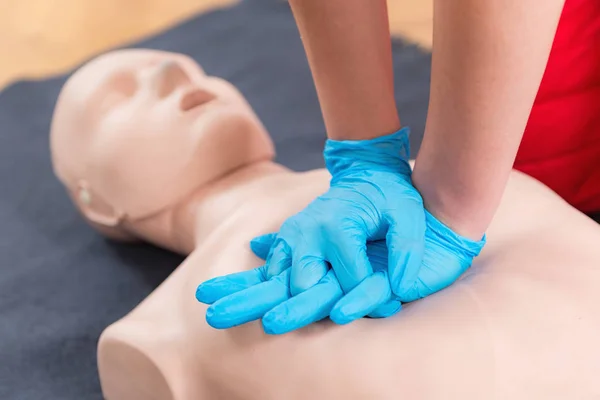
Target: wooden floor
{"type": "Point", "coordinates": [39, 38]}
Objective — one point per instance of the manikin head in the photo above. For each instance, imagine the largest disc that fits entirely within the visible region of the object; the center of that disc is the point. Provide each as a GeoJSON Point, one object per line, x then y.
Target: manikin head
{"type": "Point", "coordinates": [136, 131]}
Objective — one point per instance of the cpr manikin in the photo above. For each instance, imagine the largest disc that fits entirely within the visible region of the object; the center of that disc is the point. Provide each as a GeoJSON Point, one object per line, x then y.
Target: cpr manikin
{"type": "Point", "coordinates": [150, 148]}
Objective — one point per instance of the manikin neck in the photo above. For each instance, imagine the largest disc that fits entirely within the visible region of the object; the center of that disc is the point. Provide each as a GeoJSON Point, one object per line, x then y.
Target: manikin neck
{"type": "Point", "coordinates": [182, 226]}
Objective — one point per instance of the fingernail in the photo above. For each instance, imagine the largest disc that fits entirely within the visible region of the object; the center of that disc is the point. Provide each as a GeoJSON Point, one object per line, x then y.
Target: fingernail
{"type": "Point", "coordinates": [210, 313]}
{"type": "Point", "coordinates": [204, 294]}
{"type": "Point", "coordinates": [339, 317]}
{"type": "Point", "coordinates": [268, 330]}
{"type": "Point", "coordinates": [200, 293]}
{"type": "Point", "coordinates": [386, 310]}
{"type": "Point", "coordinates": [270, 324]}
{"type": "Point", "coordinates": [217, 320]}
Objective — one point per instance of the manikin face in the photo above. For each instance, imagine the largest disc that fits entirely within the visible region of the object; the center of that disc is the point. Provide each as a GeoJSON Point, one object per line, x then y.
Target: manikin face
{"type": "Point", "coordinates": [134, 131]}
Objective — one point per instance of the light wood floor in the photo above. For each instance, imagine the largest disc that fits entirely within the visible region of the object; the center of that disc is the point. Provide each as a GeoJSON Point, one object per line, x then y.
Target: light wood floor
{"type": "Point", "coordinates": [39, 38]}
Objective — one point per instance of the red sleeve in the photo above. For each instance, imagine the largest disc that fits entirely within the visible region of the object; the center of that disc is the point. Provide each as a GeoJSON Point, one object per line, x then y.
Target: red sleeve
{"type": "Point", "coordinates": [561, 145]}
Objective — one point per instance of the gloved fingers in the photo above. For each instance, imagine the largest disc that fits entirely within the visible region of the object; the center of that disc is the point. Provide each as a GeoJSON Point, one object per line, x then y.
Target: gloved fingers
{"type": "Point", "coordinates": [405, 240]}
{"type": "Point", "coordinates": [216, 288]}
{"type": "Point", "coordinates": [304, 309]}
{"type": "Point", "coordinates": [387, 310]}
{"type": "Point", "coordinates": [261, 245]}
{"type": "Point", "coordinates": [373, 292]}
{"type": "Point", "coordinates": [348, 258]}
{"type": "Point", "coordinates": [307, 271]}
{"type": "Point", "coordinates": [377, 252]}
{"type": "Point", "coordinates": [249, 304]}
{"type": "Point", "coordinates": [279, 258]}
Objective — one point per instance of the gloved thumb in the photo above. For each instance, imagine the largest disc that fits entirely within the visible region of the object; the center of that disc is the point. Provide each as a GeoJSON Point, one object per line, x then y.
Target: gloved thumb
{"type": "Point", "coordinates": [405, 241]}
{"type": "Point", "coordinates": [447, 256]}
{"type": "Point", "coordinates": [261, 245]}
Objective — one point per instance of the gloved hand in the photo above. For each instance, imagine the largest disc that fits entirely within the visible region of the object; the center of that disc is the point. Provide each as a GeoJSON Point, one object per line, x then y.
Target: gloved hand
{"type": "Point", "coordinates": [446, 257]}
{"type": "Point", "coordinates": [250, 295]}
{"type": "Point", "coordinates": [371, 197]}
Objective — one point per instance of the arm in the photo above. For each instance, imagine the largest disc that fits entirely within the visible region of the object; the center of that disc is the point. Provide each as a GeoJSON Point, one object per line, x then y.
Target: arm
{"type": "Point", "coordinates": [488, 61]}
{"type": "Point", "coordinates": [348, 47]}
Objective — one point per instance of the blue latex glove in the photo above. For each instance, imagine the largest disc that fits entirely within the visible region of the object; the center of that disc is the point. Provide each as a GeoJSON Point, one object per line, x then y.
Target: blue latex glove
{"type": "Point", "coordinates": [371, 197]}
{"type": "Point", "coordinates": [446, 257]}
{"type": "Point", "coordinates": [250, 295]}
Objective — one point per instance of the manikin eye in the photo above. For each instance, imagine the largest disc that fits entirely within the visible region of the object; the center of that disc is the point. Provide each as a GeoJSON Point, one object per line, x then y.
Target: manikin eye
{"type": "Point", "coordinates": [120, 87]}
{"type": "Point", "coordinates": [194, 98]}
{"type": "Point", "coordinates": [124, 83]}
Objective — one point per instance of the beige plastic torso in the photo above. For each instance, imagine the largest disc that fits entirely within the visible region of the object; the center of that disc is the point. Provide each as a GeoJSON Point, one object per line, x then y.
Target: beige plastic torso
{"type": "Point", "coordinates": [522, 323]}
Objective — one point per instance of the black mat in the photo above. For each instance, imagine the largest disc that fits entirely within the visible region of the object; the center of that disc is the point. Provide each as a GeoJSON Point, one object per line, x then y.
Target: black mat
{"type": "Point", "coordinates": [60, 282]}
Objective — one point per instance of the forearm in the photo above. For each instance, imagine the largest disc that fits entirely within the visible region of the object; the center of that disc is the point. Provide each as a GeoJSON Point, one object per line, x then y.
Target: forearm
{"type": "Point", "coordinates": [349, 51]}
{"type": "Point", "coordinates": [488, 61]}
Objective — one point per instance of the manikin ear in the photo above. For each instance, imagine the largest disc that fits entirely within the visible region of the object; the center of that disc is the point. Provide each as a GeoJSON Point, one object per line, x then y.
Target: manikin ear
{"type": "Point", "coordinates": [100, 215]}
{"type": "Point", "coordinates": [94, 208]}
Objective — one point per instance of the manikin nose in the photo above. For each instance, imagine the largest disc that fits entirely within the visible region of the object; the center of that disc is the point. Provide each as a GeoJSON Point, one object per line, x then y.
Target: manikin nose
{"type": "Point", "coordinates": [195, 97]}
{"type": "Point", "coordinates": [168, 76]}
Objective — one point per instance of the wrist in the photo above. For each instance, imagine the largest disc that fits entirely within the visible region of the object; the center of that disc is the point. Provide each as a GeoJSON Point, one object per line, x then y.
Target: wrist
{"type": "Point", "coordinates": [455, 209]}
{"type": "Point", "coordinates": [388, 152]}
{"type": "Point", "coordinates": [464, 247]}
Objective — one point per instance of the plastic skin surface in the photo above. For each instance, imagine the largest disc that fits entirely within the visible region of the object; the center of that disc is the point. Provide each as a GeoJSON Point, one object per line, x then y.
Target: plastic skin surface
{"type": "Point", "coordinates": [521, 323]}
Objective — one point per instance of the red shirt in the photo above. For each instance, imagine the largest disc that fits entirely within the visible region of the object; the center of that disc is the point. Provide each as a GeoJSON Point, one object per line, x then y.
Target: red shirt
{"type": "Point", "coordinates": [561, 145]}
